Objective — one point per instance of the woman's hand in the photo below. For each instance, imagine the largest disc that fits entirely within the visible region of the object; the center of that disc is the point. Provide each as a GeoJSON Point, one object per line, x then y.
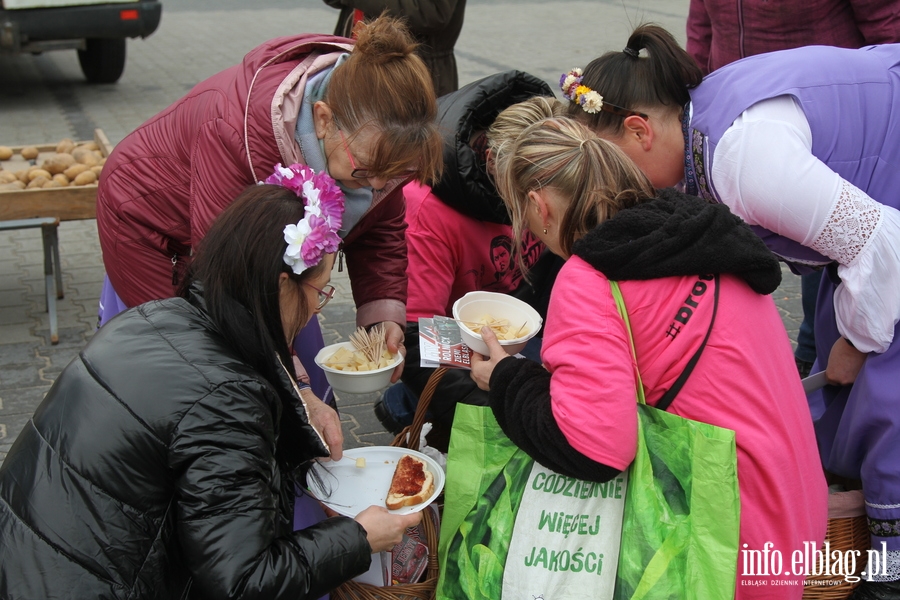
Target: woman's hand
{"type": "Point", "coordinates": [393, 336]}
{"type": "Point", "coordinates": [384, 530]}
{"type": "Point", "coordinates": [844, 363]}
{"type": "Point", "coordinates": [326, 421]}
{"type": "Point", "coordinates": [483, 367]}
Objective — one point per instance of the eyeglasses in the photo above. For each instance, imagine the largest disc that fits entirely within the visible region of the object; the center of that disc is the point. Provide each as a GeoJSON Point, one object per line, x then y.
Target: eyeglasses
{"type": "Point", "coordinates": [324, 295]}
{"type": "Point", "coordinates": [356, 173]}
{"type": "Point", "coordinates": [362, 173]}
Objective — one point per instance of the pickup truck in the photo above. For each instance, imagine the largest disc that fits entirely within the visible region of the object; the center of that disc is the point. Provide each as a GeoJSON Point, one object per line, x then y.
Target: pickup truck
{"type": "Point", "coordinates": [97, 29]}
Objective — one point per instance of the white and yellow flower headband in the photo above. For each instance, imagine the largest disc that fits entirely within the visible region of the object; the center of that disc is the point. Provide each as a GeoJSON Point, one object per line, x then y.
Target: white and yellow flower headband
{"type": "Point", "coordinates": [589, 100]}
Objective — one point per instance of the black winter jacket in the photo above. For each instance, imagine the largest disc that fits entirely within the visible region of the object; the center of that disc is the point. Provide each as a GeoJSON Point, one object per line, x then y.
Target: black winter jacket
{"type": "Point", "coordinates": [435, 25]}
{"type": "Point", "coordinates": [149, 471]}
{"type": "Point", "coordinates": [465, 184]}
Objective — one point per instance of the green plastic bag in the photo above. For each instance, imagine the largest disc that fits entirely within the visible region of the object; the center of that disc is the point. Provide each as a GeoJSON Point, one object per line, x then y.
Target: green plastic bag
{"type": "Point", "coordinates": [682, 516]}
{"type": "Point", "coordinates": [514, 529]}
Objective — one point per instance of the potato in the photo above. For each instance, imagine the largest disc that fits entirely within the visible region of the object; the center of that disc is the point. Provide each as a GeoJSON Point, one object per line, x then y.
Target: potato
{"type": "Point", "coordinates": [345, 359]}
{"type": "Point", "coordinates": [22, 175]}
{"type": "Point", "coordinates": [12, 187]}
{"type": "Point", "coordinates": [502, 328]}
{"type": "Point", "coordinates": [5, 153]}
{"type": "Point", "coordinates": [75, 170]}
{"type": "Point", "coordinates": [65, 145]}
{"type": "Point", "coordinates": [58, 163]}
{"type": "Point", "coordinates": [97, 169]}
{"type": "Point", "coordinates": [34, 173]}
{"type": "Point", "coordinates": [85, 156]}
{"type": "Point", "coordinates": [37, 182]}
{"type": "Point", "coordinates": [7, 177]}
{"type": "Point", "coordinates": [29, 153]}
{"type": "Point", "coordinates": [52, 184]}
{"type": "Point", "coordinates": [85, 178]}
{"type": "Point", "coordinates": [62, 179]}
{"type": "Point", "coordinates": [90, 145]}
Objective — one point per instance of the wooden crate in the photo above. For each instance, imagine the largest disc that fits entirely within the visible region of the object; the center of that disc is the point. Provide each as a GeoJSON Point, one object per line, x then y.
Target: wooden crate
{"type": "Point", "coordinates": [65, 203]}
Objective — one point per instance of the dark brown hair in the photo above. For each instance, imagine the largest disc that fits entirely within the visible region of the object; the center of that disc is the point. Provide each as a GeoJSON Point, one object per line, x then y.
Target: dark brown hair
{"type": "Point", "coordinates": [238, 264]}
{"type": "Point", "coordinates": [660, 76]}
{"type": "Point", "coordinates": [385, 85]}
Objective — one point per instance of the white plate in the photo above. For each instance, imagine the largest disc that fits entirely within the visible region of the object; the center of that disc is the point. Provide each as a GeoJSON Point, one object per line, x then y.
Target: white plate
{"type": "Point", "coordinates": [349, 490]}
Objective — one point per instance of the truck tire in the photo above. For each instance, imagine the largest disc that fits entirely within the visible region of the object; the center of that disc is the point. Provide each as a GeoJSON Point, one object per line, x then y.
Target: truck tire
{"type": "Point", "coordinates": [103, 59]}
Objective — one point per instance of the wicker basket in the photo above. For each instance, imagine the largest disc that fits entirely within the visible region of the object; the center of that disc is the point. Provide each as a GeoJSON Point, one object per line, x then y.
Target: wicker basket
{"type": "Point", "coordinates": [844, 533]}
{"type": "Point", "coordinates": [424, 589]}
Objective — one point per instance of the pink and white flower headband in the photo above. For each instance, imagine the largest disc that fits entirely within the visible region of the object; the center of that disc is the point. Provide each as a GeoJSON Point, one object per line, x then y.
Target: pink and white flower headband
{"type": "Point", "coordinates": [316, 234]}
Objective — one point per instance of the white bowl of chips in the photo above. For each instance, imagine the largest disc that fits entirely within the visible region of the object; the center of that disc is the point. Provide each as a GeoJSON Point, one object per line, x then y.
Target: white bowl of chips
{"type": "Point", "coordinates": [347, 369]}
{"type": "Point", "coordinates": [514, 322]}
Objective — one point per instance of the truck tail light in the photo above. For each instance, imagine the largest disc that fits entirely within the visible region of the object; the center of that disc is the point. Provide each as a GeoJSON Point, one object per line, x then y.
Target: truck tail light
{"type": "Point", "coordinates": [128, 15]}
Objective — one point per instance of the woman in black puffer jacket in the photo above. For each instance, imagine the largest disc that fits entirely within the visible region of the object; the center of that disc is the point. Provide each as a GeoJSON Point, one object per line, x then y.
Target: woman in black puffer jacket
{"type": "Point", "coordinates": [162, 462]}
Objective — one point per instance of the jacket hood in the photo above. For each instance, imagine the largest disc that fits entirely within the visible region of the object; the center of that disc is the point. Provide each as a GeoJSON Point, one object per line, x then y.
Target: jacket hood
{"type": "Point", "coordinates": [291, 47]}
{"type": "Point", "coordinates": [284, 64]}
{"type": "Point", "coordinates": [674, 235]}
{"type": "Point", "coordinates": [465, 185]}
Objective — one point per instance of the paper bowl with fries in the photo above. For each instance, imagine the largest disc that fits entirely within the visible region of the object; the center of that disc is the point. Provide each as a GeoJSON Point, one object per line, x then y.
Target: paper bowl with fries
{"type": "Point", "coordinates": [349, 371]}
{"type": "Point", "coordinates": [514, 322]}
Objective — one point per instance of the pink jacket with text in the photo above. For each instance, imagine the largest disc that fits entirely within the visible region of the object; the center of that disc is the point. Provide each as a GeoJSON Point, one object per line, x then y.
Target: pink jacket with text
{"type": "Point", "coordinates": [745, 381]}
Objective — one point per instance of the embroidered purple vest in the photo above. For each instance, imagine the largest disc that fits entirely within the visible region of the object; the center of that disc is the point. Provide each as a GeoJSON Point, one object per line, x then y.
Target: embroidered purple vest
{"type": "Point", "coordinates": [851, 99]}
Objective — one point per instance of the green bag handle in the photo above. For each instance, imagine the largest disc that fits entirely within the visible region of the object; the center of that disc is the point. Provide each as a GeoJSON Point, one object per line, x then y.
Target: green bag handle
{"type": "Point", "coordinates": [669, 396]}
{"type": "Point", "coordinates": [620, 304]}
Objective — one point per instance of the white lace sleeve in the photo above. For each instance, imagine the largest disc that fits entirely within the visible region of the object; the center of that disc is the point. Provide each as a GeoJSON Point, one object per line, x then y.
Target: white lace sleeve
{"type": "Point", "coordinates": [781, 186]}
{"type": "Point", "coordinates": [861, 236]}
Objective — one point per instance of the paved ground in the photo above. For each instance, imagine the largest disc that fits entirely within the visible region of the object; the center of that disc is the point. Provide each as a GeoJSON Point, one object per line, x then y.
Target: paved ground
{"type": "Point", "coordinates": [44, 99]}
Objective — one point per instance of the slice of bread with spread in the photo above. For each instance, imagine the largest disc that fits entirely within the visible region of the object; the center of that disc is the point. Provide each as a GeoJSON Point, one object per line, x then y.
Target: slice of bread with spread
{"type": "Point", "coordinates": [412, 483]}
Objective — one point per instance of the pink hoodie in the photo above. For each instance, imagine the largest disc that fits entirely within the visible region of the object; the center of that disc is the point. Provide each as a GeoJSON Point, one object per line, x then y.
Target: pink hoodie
{"type": "Point", "coordinates": [745, 381]}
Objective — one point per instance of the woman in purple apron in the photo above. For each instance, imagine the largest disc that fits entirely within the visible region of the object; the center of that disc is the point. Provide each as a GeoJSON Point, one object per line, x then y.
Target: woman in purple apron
{"type": "Point", "coordinates": [803, 145]}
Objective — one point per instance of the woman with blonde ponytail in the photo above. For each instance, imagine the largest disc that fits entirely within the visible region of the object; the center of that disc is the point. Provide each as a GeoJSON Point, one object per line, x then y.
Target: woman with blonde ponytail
{"type": "Point", "coordinates": [687, 270]}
